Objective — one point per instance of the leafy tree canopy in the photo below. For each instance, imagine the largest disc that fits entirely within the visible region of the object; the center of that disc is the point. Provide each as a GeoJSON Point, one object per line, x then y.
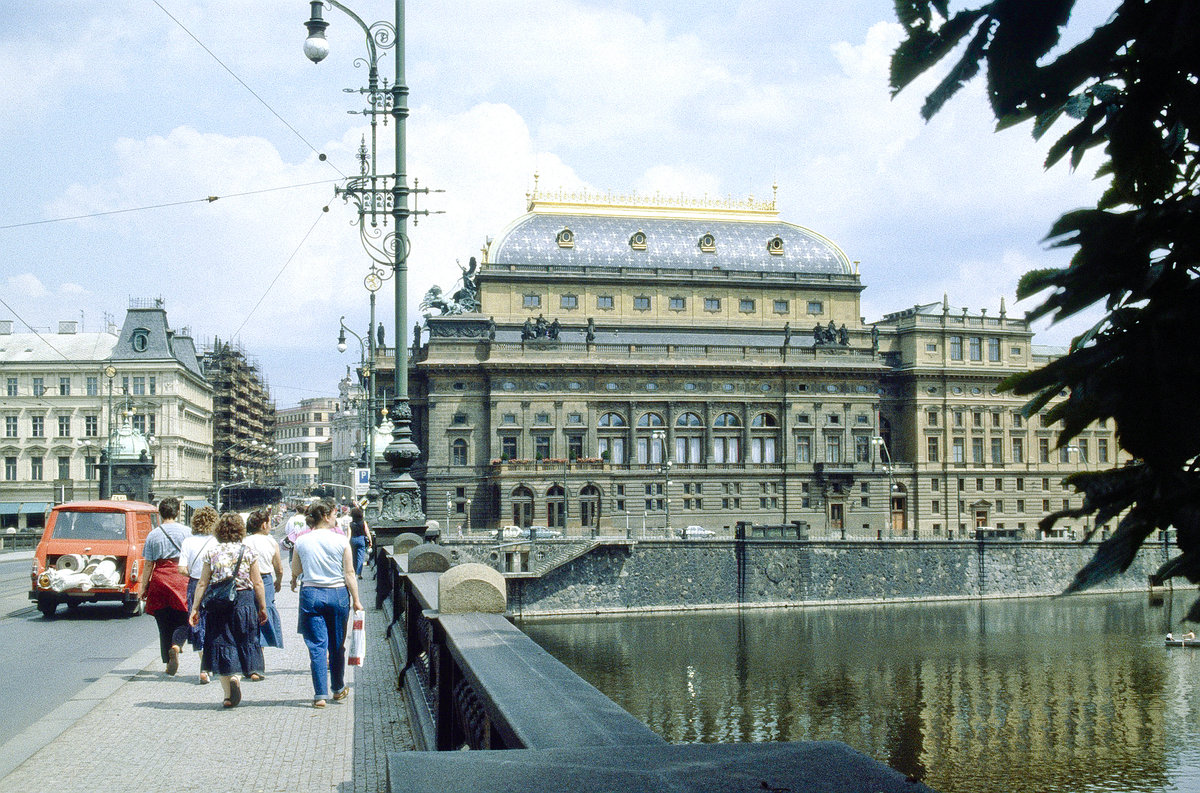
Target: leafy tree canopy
{"type": "Point", "coordinates": [1130, 90]}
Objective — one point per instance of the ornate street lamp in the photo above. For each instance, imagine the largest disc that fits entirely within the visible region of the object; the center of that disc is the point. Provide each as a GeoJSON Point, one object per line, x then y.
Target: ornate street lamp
{"type": "Point", "coordinates": [367, 367]}
{"type": "Point", "coordinates": [380, 197]}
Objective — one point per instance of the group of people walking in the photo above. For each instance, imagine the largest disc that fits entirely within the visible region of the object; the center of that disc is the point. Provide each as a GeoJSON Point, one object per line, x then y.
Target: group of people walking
{"type": "Point", "coordinates": [230, 633]}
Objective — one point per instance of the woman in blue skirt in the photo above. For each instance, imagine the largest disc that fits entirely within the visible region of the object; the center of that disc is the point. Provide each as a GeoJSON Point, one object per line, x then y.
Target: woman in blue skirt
{"type": "Point", "coordinates": [231, 647]}
{"type": "Point", "coordinates": [270, 566]}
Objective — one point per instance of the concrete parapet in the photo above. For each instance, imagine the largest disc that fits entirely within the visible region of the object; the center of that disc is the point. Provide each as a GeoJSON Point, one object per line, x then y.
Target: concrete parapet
{"type": "Point", "coordinates": [428, 559]}
{"type": "Point", "coordinates": [472, 588]}
{"type": "Point", "coordinates": [405, 543]}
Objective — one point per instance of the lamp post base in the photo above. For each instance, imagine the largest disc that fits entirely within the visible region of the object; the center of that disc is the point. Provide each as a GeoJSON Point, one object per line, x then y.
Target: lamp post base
{"type": "Point", "coordinates": [400, 508]}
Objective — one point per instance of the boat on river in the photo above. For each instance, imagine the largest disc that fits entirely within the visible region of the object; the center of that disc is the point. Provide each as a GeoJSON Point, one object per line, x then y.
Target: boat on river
{"type": "Point", "coordinates": [1181, 641]}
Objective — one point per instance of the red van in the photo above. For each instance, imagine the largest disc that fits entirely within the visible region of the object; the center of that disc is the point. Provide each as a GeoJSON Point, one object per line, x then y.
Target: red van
{"type": "Point", "coordinates": [91, 551]}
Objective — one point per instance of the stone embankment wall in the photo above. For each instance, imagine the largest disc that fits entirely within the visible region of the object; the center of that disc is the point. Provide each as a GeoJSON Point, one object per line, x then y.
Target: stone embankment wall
{"type": "Point", "coordinates": [660, 575]}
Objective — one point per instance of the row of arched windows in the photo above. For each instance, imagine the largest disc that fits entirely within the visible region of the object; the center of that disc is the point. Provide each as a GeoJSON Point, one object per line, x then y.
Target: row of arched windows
{"type": "Point", "coordinates": [687, 419]}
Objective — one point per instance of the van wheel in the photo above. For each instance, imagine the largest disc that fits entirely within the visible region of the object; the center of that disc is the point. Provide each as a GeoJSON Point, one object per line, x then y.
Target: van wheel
{"type": "Point", "coordinates": [134, 609]}
{"type": "Point", "coordinates": [47, 605]}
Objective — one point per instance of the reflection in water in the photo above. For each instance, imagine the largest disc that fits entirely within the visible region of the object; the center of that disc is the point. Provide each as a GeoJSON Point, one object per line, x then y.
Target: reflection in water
{"type": "Point", "coordinates": [1063, 694]}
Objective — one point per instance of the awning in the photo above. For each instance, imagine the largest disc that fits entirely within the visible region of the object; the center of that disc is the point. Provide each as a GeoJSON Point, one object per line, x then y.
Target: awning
{"type": "Point", "coordinates": [9, 507]}
{"type": "Point", "coordinates": [196, 503]}
{"type": "Point", "coordinates": [33, 507]}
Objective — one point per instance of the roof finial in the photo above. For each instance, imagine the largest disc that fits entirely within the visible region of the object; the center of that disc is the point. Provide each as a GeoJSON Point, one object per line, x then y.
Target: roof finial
{"type": "Point", "coordinates": [774, 192]}
{"type": "Point", "coordinates": [945, 302]}
{"type": "Point", "coordinates": [1003, 311]}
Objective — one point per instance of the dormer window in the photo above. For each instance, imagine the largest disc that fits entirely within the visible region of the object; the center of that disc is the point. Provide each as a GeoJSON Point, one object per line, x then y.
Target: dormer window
{"type": "Point", "coordinates": [708, 243]}
{"type": "Point", "coordinates": [775, 246]}
{"type": "Point", "coordinates": [638, 241]}
{"type": "Point", "coordinates": [565, 239]}
{"type": "Point", "coordinates": [140, 340]}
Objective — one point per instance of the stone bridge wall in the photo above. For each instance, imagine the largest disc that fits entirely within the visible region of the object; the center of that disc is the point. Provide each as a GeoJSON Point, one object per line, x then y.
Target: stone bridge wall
{"type": "Point", "coordinates": [681, 574]}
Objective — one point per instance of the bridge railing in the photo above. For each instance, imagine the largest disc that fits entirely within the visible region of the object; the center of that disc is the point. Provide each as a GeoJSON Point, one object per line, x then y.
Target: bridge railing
{"type": "Point", "coordinates": [472, 678]}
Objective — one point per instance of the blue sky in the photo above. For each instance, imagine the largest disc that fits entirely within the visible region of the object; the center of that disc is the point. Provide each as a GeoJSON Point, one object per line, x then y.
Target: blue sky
{"type": "Point", "coordinates": [115, 106]}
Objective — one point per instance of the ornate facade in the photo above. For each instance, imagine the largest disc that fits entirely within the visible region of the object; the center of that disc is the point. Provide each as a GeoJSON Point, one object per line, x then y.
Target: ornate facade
{"type": "Point", "coordinates": [62, 405]}
{"type": "Point", "coordinates": [637, 363]}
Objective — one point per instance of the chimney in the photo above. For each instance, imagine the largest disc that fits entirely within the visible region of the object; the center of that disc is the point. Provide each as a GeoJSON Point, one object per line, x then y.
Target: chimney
{"type": "Point", "coordinates": [68, 326]}
{"type": "Point", "coordinates": [6, 327]}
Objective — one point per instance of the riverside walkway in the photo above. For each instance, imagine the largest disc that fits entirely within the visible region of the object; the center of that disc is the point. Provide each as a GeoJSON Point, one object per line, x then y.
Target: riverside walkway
{"type": "Point", "coordinates": [138, 729]}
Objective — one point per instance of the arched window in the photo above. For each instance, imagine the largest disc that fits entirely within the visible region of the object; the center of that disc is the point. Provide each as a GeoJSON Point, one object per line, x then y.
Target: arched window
{"type": "Point", "coordinates": [689, 439]}
{"type": "Point", "coordinates": [556, 513]}
{"type": "Point", "coordinates": [650, 439]}
{"type": "Point", "coordinates": [458, 452]}
{"type": "Point", "coordinates": [589, 506]}
{"type": "Point", "coordinates": [726, 445]}
{"type": "Point", "coordinates": [765, 438]}
{"type": "Point", "coordinates": [522, 506]}
{"type": "Point", "coordinates": [610, 441]}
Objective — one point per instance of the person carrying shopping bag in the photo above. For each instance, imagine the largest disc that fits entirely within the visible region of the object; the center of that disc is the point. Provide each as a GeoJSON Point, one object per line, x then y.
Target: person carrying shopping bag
{"type": "Point", "coordinates": [324, 569]}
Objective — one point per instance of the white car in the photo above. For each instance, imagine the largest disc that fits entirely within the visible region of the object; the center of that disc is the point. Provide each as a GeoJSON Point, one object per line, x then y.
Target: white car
{"type": "Point", "coordinates": [694, 532]}
{"type": "Point", "coordinates": [510, 532]}
{"type": "Point", "coordinates": [540, 531]}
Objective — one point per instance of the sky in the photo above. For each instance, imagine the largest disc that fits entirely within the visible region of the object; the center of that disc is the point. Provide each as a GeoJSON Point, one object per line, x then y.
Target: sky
{"type": "Point", "coordinates": [122, 118]}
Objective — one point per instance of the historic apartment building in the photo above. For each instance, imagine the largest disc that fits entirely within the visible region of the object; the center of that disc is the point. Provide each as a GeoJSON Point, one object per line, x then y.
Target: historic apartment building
{"type": "Point", "coordinates": [625, 362]}
{"type": "Point", "coordinates": [66, 393]}
{"type": "Point", "coordinates": [300, 432]}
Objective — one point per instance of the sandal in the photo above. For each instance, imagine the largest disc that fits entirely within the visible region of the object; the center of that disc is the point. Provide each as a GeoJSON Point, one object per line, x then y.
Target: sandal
{"type": "Point", "coordinates": [318, 703]}
{"type": "Point", "coordinates": [340, 695]}
{"type": "Point", "coordinates": [203, 678]}
{"type": "Point", "coordinates": [173, 660]}
{"type": "Point", "coordinates": [235, 693]}
{"type": "Point", "coordinates": [256, 677]}
{"type": "Point", "coordinates": [227, 703]}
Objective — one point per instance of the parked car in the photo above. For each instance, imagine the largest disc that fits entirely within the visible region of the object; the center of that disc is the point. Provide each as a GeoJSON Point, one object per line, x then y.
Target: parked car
{"type": "Point", "coordinates": [509, 532]}
{"type": "Point", "coordinates": [91, 551]}
{"type": "Point", "coordinates": [535, 532]}
{"type": "Point", "coordinates": [695, 532]}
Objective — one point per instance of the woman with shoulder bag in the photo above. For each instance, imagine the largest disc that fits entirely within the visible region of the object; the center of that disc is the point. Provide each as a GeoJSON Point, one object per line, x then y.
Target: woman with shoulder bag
{"type": "Point", "coordinates": [324, 569]}
{"type": "Point", "coordinates": [191, 563]}
{"type": "Point", "coordinates": [164, 588]}
{"type": "Point", "coordinates": [231, 647]}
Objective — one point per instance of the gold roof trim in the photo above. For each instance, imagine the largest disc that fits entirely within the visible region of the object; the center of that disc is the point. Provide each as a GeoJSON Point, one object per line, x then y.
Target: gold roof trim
{"type": "Point", "coordinates": [583, 202]}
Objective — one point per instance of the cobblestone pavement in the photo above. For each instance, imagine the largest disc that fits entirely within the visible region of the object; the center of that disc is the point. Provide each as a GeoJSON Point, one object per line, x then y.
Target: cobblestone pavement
{"type": "Point", "coordinates": [138, 729]}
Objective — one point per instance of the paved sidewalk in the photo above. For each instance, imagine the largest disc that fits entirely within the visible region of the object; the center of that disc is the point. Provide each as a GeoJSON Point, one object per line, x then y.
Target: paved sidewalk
{"type": "Point", "coordinates": [138, 729]}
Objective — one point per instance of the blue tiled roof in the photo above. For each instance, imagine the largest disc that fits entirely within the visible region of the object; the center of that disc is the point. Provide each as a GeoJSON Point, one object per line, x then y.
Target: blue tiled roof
{"type": "Point", "coordinates": [670, 244]}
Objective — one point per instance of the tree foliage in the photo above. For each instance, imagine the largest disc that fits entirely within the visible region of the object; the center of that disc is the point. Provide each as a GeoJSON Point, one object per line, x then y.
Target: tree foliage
{"type": "Point", "coordinates": [1130, 91]}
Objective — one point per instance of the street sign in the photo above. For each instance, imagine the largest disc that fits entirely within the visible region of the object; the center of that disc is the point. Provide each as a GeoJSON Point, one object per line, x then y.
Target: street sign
{"type": "Point", "coordinates": [362, 481]}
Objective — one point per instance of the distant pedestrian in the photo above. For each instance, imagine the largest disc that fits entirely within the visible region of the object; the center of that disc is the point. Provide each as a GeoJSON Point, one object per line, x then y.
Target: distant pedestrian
{"type": "Point", "coordinates": [231, 647]}
{"type": "Point", "coordinates": [191, 563]}
{"type": "Point", "coordinates": [164, 588]}
{"type": "Point", "coordinates": [296, 526]}
{"type": "Point", "coordinates": [361, 539]}
{"type": "Point", "coordinates": [270, 567]}
{"type": "Point", "coordinates": [324, 569]}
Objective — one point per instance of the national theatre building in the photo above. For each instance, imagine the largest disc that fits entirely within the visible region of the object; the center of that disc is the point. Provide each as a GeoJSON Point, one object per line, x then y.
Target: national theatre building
{"type": "Point", "coordinates": [619, 362]}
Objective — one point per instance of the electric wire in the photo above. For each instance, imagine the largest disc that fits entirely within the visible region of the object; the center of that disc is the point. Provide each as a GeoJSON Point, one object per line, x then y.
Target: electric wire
{"type": "Point", "coordinates": [248, 88]}
{"type": "Point", "coordinates": [279, 274]}
{"type": "Point", "coordinates": [207, 199]}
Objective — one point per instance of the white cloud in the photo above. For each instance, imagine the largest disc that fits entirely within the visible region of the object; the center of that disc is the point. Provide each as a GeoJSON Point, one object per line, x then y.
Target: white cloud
{"type": "Point", "coordinates": [25, 285]}
{"type": "Point", "coordinates": [71, 289]}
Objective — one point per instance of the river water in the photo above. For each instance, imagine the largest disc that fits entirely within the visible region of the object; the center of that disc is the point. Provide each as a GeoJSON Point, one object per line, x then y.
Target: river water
{"type": "Point", "coordinates": [1047, 694]}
